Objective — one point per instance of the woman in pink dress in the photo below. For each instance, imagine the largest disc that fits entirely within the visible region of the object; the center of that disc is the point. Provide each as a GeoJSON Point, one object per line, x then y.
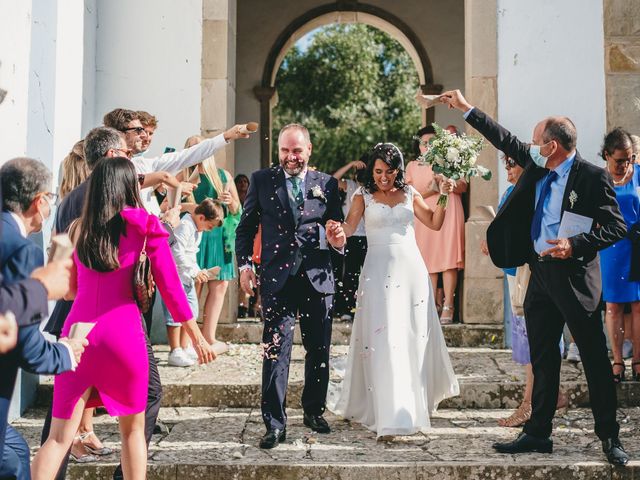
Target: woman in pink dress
{"type": "Point", "coordinates": [114, 369]}
{"type": "Point", "coordinates": [442, 251]}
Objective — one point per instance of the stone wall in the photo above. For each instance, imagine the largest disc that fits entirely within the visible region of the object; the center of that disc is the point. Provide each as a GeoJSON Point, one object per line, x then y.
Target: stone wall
{"type": "Point", "coordinates": [622, 63]}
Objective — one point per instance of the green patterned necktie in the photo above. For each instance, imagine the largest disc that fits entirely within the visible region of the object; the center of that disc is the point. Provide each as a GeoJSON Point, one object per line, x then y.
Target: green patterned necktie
{"type": "Point", "coordinates": [295, 190]}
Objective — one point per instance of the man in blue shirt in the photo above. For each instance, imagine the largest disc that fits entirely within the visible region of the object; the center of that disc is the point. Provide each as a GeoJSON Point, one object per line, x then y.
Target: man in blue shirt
{"type": "Point", "coordinates": [565, 284]}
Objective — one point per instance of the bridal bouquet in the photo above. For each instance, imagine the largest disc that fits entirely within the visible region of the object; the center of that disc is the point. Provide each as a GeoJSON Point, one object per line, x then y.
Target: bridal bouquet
{"type": "Point", "coordinates": [453, 156]}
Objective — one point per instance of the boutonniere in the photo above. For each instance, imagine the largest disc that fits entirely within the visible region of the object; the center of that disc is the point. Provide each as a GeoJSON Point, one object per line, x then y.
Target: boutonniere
{"type": "Point", "coordinates": [316, 192]}
{"type": "Point", "coordinates": [573, 198]}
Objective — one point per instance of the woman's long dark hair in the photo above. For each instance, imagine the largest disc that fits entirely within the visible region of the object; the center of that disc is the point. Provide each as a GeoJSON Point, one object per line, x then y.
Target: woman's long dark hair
{"type": "Point", "coordinates": [392, 157]}
{"type": "Point", "coordinates": [113, 185]}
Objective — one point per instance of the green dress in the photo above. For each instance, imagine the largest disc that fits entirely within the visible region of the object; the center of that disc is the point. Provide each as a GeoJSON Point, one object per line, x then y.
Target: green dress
{"type": "Point", "coordinates": [217, 246]}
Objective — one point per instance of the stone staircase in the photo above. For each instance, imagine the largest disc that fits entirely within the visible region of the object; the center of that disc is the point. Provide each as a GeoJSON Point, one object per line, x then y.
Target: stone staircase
{"type": "Point", "coordinates": [213, 423]}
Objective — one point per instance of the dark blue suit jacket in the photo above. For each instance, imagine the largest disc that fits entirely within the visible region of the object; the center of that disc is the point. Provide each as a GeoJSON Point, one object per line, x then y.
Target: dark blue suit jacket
{"type": "Point", "coordinates": [19, 256]}
{"type": "Point", "coordinates": [26, 299]}
{"type": "Point", "coordinates": [267, 205]}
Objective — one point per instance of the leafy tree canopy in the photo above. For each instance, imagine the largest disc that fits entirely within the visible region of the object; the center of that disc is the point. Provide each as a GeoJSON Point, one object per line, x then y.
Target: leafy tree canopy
{"type": "Point", "coordinates": [353, 87]}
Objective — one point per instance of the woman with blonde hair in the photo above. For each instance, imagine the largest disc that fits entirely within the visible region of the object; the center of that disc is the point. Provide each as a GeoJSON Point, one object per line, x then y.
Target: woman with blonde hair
{"type": "Point", "coordinates": [73, 170]}
{"type": "Point", "coordinates": [217, 248]}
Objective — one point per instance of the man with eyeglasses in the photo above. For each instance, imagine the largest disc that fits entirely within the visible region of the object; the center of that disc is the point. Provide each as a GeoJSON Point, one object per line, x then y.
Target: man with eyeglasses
{"type": "Point", "coordinates": [26, 205]}
{"type": "Point", "coordinates": [137, 139]}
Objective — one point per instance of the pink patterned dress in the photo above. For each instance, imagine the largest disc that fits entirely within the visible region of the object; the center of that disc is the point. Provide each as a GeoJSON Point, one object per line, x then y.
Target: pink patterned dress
{"type": "Point", "coordinates": [115, 362]}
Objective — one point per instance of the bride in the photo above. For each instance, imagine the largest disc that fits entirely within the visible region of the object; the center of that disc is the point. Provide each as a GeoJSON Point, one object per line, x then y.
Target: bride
{"type": "Point", "coordinates": [398, 367]}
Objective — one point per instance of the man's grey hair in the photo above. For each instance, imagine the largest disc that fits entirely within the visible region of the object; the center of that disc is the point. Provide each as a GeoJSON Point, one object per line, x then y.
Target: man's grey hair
{"type": "Point", "coordinates": [98, 142]}
{"type": "Point", "coordinates": [22, 179]}
{"type": "Point", "coordinates": [295, 126]}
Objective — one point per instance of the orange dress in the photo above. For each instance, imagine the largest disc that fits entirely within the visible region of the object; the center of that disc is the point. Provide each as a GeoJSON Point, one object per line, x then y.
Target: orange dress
{"type": "Point", "coordinates": [444, 249]}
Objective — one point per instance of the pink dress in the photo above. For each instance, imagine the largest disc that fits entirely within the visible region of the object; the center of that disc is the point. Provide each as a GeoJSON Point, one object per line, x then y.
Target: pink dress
{"type": "Point", "coordinates": [115, 362]}
{"type": "Point", "coordinates": [444, 249]}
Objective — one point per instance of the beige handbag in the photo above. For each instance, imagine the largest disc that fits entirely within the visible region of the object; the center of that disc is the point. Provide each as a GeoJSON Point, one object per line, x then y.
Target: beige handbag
{"type": "Point", "coordinates": [519, 290]}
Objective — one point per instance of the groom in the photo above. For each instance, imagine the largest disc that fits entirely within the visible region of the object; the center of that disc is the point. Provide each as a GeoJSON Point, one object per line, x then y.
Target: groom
{"type": "Point", "coordinates": [291, 203]}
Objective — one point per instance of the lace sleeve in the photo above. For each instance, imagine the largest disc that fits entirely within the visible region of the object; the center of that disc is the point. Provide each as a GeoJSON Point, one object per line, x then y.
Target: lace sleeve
{"type": "Point", "coordinates": [366, 196]}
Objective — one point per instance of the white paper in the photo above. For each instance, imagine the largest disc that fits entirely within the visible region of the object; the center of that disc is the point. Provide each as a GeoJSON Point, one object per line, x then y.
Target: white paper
{"type": "Point", "coordinates": [80, 330]}
{"type": "Point", "coordinates": [573, 224]}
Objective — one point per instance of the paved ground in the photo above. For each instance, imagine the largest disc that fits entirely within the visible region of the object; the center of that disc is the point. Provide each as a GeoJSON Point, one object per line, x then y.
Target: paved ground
{"type": "Point", "coordinates": [221, 443]}
{"type": "Point", "coordinates": [488, 379]}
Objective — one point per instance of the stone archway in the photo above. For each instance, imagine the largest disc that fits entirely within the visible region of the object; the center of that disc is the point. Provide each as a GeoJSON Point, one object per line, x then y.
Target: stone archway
{"type": "Point", "coordinates": [339, 12]}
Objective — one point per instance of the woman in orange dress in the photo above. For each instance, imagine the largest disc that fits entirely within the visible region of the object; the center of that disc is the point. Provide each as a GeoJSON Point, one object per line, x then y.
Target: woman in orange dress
{"type": "Point", "coordinates": [443, 250]}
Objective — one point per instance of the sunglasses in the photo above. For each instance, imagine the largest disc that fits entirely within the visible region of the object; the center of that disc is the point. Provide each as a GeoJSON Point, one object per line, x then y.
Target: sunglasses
{"type": "Point", "coordinates": [138, 130]}
{"type": "Point", "coordinates": [509, 163]}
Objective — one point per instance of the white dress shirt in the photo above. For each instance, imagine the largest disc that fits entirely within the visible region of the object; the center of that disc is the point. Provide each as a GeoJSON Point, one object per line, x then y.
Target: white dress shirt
{"type": "Point", "coordinates": [185, 249]}
{"type": "Point", "coordinates": [174, 163]}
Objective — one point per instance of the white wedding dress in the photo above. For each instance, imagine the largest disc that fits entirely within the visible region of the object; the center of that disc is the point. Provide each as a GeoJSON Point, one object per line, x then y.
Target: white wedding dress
{"type": "Point", "coordinates": [398, 368]}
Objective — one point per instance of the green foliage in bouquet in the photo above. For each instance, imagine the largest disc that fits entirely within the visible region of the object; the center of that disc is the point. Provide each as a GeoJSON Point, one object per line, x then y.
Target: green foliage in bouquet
{"type": "Point", "coordinates": [453, 157]}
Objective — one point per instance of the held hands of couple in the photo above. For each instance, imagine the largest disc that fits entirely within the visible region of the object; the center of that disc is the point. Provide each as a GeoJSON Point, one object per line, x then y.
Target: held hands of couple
{"type": "Point", "coordinates": [335, 234]}
{"type": "Point", "coordinates": [562, 250]}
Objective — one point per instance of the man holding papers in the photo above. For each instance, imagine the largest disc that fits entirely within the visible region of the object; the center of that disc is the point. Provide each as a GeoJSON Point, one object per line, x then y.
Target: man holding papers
{"type": "Point", "coordinates": [558, 194]}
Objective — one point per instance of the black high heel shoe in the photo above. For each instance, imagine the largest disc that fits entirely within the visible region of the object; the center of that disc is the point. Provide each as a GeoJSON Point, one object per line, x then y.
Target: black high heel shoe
{"type": "Point", "coordinates": [619, 377]}
{"type": "Point", "coordinates": [635, 375]}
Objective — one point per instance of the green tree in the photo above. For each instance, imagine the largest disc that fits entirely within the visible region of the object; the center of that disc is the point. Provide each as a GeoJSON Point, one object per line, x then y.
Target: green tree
{"type": "Point", "coordinates": [353, 87]}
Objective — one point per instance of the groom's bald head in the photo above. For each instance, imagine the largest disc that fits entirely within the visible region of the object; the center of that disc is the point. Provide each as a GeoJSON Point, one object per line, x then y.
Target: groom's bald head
{"type": "Point", "coordinates": [294, 148]}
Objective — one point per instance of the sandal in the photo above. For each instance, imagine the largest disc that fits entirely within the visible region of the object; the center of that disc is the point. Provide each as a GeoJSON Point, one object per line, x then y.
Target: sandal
{"type": "Point", "coordinates": [635, 375]}
{"type": "Point", "coordinates": [85, 457]}
{"type": "Point", "coordinates": [619, 377]}
{"type": "Point", "coordinates": [447, 315]}
{"type": "Point", "coordinates": [94, 451]}
{"type": "Point", "coordinates": [562, 405]}
{"type": "Point", "coordinates": [517, 418]}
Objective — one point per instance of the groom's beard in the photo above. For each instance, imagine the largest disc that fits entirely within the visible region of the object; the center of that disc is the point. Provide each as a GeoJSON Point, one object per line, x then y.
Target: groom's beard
{"type": "Point", "coordinates": [293, 168]}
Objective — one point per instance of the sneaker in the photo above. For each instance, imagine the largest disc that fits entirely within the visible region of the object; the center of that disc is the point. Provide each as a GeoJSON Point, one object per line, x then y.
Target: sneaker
{"type": "Point", "coordinates": [178, 358]}
{"type": "Point", "coordinates": [191, 353]}
{"type": "Point", "coordinates": [627, 348]}
{"type": "Point", "coordinates": [573, 355]}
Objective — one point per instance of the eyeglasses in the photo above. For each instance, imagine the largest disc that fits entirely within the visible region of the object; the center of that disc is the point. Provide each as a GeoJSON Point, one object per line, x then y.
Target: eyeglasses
{"type": "Point", "coordinates": [624, 161]}
{"type": "Point", "coordinates": [125, 153]}
{"type": "Point", "coordinates": [509, 163]}
{"type": "Point", "coordinates": [50, 198]}
{"type": "Point", "coordinates": [138, 130]}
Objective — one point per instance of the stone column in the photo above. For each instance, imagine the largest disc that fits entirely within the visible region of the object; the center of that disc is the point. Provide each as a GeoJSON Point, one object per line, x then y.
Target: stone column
{"type": "Point", "coordinates": [622, 63]}
{"type": "Point", "coordinates": [482, 295]}
{"type": "Point", "coordinates": [268, 97]}
{"type": "Point", "coordinates": [219, 96]}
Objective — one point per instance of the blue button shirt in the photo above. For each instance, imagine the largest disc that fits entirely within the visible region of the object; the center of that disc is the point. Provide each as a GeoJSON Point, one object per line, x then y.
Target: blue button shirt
{"type": "Point", "coordinates": [552, 205]}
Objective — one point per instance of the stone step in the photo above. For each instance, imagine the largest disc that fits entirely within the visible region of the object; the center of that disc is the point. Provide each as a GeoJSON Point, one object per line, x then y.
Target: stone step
{"type": "Point", "coordinates": [217, 444]}
{"type": "Point", "coordinates": [456, 335]}
{"type": "Point", "coordinates": [488, 379]}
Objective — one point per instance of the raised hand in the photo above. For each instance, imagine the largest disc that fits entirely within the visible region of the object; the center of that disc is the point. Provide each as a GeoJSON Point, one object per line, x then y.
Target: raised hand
{"type": "Point", "coordinates": [358, 164]}
{"type": "Point", "coordinates": [235, 133]}
{"type": "Point", "coordinates": [172, 216]}
{"type": "Point", "coordinates": [55, 277]}
{"type": "Point", "coordinates": [455, 99]}
{"type": "Point", "coordinates": [8, 332]}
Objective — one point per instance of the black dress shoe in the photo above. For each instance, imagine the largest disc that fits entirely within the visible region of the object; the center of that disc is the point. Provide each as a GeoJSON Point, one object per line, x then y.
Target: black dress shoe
{"type": "Point", "coordinates": [614, 451]}
{"type": "Point", "coordinates": [273, 437]}
{"type": "Point", "coordinates": [525, 443]}
{"type": "Point", "coordinates": [316, 423]}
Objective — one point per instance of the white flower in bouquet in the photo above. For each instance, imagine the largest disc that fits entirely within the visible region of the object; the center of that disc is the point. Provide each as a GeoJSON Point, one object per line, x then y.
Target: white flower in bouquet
{"type": "Point", "coordinates": [453, 157]}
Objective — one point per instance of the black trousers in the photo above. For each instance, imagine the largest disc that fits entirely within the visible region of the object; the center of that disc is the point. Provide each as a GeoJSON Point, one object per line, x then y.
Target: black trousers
{"type": "Point", "coordinates": [550, 302]}
{"type": "Point", "coordinates": [298, 297]}
{"type": "Point", "coordinates": [354, 254]}
{"type": "Point", "coordinates": [154, 397]}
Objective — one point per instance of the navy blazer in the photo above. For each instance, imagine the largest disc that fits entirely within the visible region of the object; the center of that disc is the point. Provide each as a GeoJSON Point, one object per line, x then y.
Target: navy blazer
{"type": "Point", "coordinates": [26, 299]}
{"type": "Point", "coordinates": [19, 256]}
{"type": "Point", "coordinates": [267, 205]}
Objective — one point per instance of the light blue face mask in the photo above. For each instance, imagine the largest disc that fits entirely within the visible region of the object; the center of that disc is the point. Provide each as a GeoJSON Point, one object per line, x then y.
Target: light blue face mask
{"type": "Point", "coordinates": [539, 159]}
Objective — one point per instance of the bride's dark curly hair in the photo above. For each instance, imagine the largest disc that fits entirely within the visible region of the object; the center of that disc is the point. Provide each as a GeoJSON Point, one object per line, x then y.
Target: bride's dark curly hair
{"type": "Point", "coordinates": [392, 157]}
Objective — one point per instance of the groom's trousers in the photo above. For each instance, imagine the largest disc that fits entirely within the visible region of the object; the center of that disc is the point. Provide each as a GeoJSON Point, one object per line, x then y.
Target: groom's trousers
{"type": "Point", "coordinates": [297, 298]}
{"type": "Point", "coordinates": [549, 303]}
